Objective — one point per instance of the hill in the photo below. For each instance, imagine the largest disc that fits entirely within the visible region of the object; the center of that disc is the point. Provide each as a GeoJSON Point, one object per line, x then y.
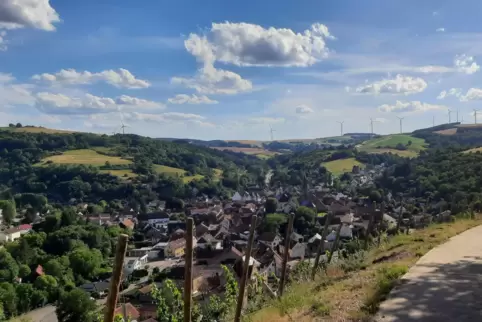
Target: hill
{"type": "Point", "coordinates": [35, 129]}
{"type": "Point", "coordinates": [401, 144]}
{"type": "Point", "coordinates": [341, 166]}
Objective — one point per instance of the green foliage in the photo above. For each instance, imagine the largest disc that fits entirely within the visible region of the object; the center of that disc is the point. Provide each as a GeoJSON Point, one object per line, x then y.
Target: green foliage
{"type": "Point", "coordinates": [85, 262]}
{"type": "Point", "coordinates": [75, 306]}
{"type": "Point", "coordinates": [8, 267]}
{"type": "Point", "coordinates": [273, 222]}
{"type": "Point", "coordinates": [271, 205]}
{"type": "Point", "coordinates": [169, 302]}
{"type": "Point", "coordinates": [8, 211]}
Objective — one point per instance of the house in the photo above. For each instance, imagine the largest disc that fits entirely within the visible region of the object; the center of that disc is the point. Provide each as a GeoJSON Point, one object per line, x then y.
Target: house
{"type": "Point", "coordinates": [207, 240]}
{"type": "Point", "coordinates": [176, 248]}
{"type": "Point", "coordinates": [101, 288]}
{"type": "Point", "coordinates": [134, 263]}
{"type": "Point", "coordinates": [127, 223]}
{"type": "Point", "coordinates": [14, 233]}
{"type": "Point", "coordinates": [237, 197]}
{"type": "Point", "coordinates": [269, 239]}
{"type": "Point", "coordinates": [155, 219]}
{"type": "Point", "coordinates": [346, 232]}
{"type": "Point", "coordinates": [130, 310]}
{"type": "Point", "coordinates": [298, 250]}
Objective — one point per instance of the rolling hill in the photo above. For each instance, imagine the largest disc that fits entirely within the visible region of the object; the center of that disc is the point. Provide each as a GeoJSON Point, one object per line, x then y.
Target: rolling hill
{"type": "Point", "coordinates": [404, 145]}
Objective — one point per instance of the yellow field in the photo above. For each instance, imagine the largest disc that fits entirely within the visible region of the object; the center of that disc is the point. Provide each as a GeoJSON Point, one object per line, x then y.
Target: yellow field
{"type": "Point", "coordinates": [341, 166]}
{"type": "Point", "coordinates": [474, 150]}
{"type": "Point", "coordinates": [85, 156]}
{"type": "Point", "coordinates": [29, 129]}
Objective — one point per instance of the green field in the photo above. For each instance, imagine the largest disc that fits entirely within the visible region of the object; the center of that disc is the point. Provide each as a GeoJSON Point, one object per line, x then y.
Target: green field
{"type": "Point", "coordinates": [341, 166]}
{"type": "Point", "coordinates": [85, 156]}
{"type": "Point", "coordinates": [388, 143]}
{"type": "Point", "coordinates": [177, 172]}
{"type": "Point", "coordinates": [123, 173]}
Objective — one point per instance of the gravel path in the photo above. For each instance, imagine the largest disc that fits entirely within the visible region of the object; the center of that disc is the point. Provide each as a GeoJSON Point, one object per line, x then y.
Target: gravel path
{"type": "Point", "coordinates": [444, 285]}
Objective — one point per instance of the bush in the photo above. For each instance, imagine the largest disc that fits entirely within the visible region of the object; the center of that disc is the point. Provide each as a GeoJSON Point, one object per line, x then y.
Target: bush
{"type": "Point", "coordinates": [387, 277]}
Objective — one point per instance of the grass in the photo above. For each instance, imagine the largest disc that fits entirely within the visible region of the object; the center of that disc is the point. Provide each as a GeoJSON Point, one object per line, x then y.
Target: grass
{"type": "Point", "coordinates": [180, 173]}
{"type": "Point", "coordinates": [124, 173]}
{"type": "Point", "coordinates": [321, 214]}
{"type": "Point", "coordinates": [32, 129]}
{"type": "Point", "coordinates": [474, 150]}
{"type": "Point", "coordinates": [389, 142]}
{"type": "Point", "coordinates": [341, 166]}
{"type": "Point", "coordinates": [353, 291]}
{"type": "Point", "coordinates": [85, 156]}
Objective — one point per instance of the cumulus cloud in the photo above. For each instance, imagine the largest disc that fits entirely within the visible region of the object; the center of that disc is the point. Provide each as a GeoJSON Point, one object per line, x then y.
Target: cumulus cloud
{"type": "Point", "coordinates": [457, 92]}
{"type": "Point", "coordinates": [399, 85]}
{"type": "Point", "coordinates": [121, 78]}
{"type": "Point", "coordinates": [440, 30]}
{"type": "Point", "coordinates": [246, 44]}
{"type": "Point", "coordinates": [211, 80]}
{"type": "Point", "coordinates": [12, 94]}
{"type": "Point", "coordinates": [193, 99]}
{"type": "Point", "coordinates": [37, 14]}
{"type": "Point", "coordinates": [473, 94]}
{"type": "Point", "coordinates": [303, 109]}
{"type": "Point", "coordinates": [466, 64]}
{"type": "Point", "coordinates": [53, 103]}
{"type": "Point", "coordinates": [413, 106]}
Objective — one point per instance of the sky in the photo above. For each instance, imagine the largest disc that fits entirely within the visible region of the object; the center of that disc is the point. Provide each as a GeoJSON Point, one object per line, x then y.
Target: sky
{"type": "Point", "coordinates": [237, 69]}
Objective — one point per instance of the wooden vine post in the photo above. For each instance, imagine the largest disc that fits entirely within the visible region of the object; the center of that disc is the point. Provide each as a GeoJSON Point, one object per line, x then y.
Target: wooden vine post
{"type": "Point", "coordinates": [120, 254]}
{"type": "Point", "coordinates": [286, 253]}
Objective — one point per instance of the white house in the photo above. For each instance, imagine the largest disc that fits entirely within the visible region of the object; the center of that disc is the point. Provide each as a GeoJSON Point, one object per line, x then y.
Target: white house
{"type": "Point", "coordinates": [237, 197]}
{"type": "Point", "coordinates": [13, 233]}
{"type": "Point", "coordinates": [269, 239]}
{"type": "Point", "coordinates": [298, 250]}
{"type": "Point", "coordinates": [345, 232]}
{"type": "Point", "coordinates": [134, 264]}
{"type": "Point", "coordinates": [156, 219]}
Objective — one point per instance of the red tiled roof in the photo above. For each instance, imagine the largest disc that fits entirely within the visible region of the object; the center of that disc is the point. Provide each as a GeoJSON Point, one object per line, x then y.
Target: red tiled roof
{"type": "Point", "coordinates": [18, 228]}
{"type": "Point", "coordinates": [132, 312]}
{"type": "Point", "coordinates": [128, 223]}
{"type": "Point", "coordinates": [39, 270]}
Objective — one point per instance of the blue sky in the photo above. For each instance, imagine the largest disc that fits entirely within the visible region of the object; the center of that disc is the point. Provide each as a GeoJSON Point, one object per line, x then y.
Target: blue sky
{"type": "Point", "coordinates": [230, 70]}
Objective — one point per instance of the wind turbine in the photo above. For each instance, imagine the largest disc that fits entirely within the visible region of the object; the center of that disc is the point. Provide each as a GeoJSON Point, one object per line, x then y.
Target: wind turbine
{"type": "Point", "coordinates": [271, 131]}
{"type": "Point", "coordinates": [341, 127]}
{"type": "Point", "coordinates": [123, 126]}
{"type": "Point", "coordinates": [457, 115]}
{"type": "Point", "coordinates": [371, 125]}
{"type": "Point", "coordinates": [450, 115]}
{"type": "Point", "coordinates": [400, 119]}
{"type": "Point", "coordinates": [475, 115]}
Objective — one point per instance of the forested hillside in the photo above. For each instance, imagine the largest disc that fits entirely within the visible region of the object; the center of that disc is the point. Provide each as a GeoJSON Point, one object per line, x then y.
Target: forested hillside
{"type": "Point", "coordinates": [25, 167]}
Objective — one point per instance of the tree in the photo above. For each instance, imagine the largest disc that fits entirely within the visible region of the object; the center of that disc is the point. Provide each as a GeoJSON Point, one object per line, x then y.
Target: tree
{"type": "Point", "coordinates": [8, 211]}
{"type": "Point", "coordinates": [273, 222]}
{"type": "Point", "coordinates": [271, 205]}
{"type": "Point", "coordinates": [24, 295]}
{"type": "Point", "coordinates": [8, 267]}
{"type": "Point", "coordinates": [8, 297]}
{"type": "Point", "coordinates": [75, 306]}
{"type": "Point", "coordinates": [48, 284]}
{"type": "Point", "coordinates": [86, 262]}
{"type": "Point", "coordinates": [24, 271]}
{"type": "Point", "coordinates": [18, 125]}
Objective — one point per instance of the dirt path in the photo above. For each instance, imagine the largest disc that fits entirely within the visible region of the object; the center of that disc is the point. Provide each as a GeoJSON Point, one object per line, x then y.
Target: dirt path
{"type": "Point", "coordinates": [444, 285]}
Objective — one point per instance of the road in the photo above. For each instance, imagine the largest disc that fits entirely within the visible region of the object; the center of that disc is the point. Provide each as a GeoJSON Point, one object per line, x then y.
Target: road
{"type": "Point", "coordinates": [444, 285]}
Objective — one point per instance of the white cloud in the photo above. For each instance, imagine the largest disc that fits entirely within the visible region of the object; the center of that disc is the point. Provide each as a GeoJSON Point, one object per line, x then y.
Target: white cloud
{"type": "Point", "coordinates": [473, 94]}
{"type": "Point", "coordinates": [413, 106]}
{"type": "Point", "coordinates": [303, 109]}
{"type": "Point", "coordinates": [457, 92]}
{"type": "Point", "coordinates": [193, 99]}
{"type": "Point", "coordinates": [246, 44]}
{"type": "Point", "coordinates": [399, 85]}
{"type": "Point", "coordinates": [169, 118]}
{"type": "Point", "coordinates": [380, 120]}
{"type": "Point", "coordinates": [440, 30]}
{"type": "Point", "coordinates": [12, 94]}
{"type": "Point", "coordinates": [466, 64]}
{"type": "Point", "coordinates": [51, 103]}
{"type": "Point", "coordinates": [265, 120]}
{"type": "Point", "coordinates": [37, 14]}
{"type": "Point", "coordinates": [121, 78]}
{"type": "Point", "coordinates": [134, 102]}
{"type": "Point", "coordinates": [3, 41]}
{"type": "Point", "coordinates": [211, 80]}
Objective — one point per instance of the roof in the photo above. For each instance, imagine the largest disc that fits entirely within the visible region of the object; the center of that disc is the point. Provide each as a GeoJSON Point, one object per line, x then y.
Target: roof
{"type": "Point", "coordinates": [178, 243]}
{"type": "Point", "coordinates": [17, 229]}
{"type": "Point", "coordinates": [131, 311]}
{"type": "Point", "coordinates": [153, 215]}
{"type": "Point", "coordinates": [39, 270]}
{"type": "Point", "coordinates": [206, 238]}
{"type": "Point", "coordinates": [128, 223]}
{"type": "Point", "coordinates": [267, 236]}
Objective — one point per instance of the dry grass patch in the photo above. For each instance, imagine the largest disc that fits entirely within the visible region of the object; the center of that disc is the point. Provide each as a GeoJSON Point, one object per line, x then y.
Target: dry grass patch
{"type": "Point", "coordinates": [85, 156]}
{"type": "Point", "coordinates": [352, 290]}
